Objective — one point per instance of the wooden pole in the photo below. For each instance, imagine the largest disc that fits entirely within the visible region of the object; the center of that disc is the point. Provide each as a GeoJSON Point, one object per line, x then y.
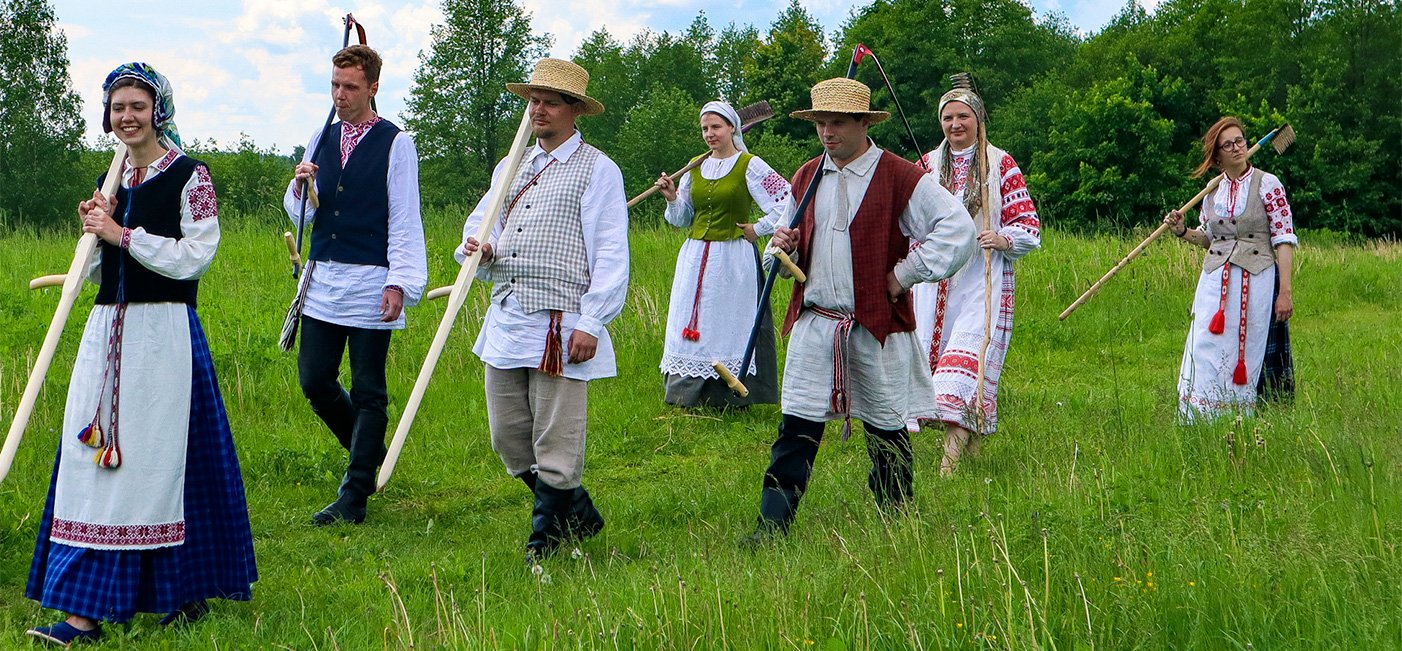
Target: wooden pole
{"type": "Point", "coordinates": [987, 279]}
{"type": "Point", "coordinates": [72, 286]}
{"type": "Point", "coordinates": [695, 162]}
{"type": "Point", "coordinates": [1284, 137]}
{"type": "Point", "coordinates": [496, 203]}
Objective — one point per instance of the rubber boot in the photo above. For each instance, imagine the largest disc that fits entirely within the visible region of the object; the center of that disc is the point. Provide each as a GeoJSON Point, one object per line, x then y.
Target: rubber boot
{"type": "Point", "coordinates": [583, 520]}
{"type": "Point", "coordinates": [548, 517]}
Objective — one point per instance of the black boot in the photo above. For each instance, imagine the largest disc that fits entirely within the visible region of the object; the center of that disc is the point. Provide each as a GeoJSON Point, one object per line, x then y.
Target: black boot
{"type": "Point", "coordinates": [548, 517]}
{"type": "Point", "coordinates": [790, 466]}
{"type": "Point", "coordinates": [583, 520]}
{"type": "Point", "coordinates": [367, 450]}
{"type": "Point", "coordinates": [892, 477]}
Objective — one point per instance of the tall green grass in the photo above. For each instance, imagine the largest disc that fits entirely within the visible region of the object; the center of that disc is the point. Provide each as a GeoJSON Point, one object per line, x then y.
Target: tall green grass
{"type": "Point", "coordinates": [1091, 521]}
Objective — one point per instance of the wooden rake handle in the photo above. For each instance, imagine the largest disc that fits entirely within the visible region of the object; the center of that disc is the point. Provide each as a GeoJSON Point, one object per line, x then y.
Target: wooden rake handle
{"type": "Point", "coordinates": [496, 203]}
{"type": "Point", "coordinates": [1158, 232]}
{"type": "Point", "coordinates": [72, 286]}
{"type": "Point", "coordinates": [676, 176]}
{"type": "Point", "coordinates": [788, 263]}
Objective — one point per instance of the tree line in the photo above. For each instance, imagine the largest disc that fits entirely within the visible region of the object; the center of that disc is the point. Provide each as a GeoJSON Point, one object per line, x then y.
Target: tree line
{"type": "Point", "coordinates": [1105, 126]}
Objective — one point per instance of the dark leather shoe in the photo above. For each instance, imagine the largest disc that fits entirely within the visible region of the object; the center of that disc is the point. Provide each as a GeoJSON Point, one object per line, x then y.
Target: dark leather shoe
{"type": "Point", "coordinates": [342, 510]}
{"type": "Point", "coordinates": [64, 634]}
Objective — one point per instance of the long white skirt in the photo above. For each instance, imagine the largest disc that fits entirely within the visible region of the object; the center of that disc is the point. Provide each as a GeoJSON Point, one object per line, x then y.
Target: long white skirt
{"type": "Point", "coordinates": [949, 318]}
{"type": "Point", "coordinates": [1206, 388]}
{"type": "Point", "coordinates": [725, 314]}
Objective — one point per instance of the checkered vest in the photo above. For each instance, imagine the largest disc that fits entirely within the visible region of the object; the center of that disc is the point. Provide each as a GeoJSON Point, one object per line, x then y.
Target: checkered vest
{"type": "Point", "coordinates": [541, 256]}
{"type": "Point", "coordinates": [877, 245]}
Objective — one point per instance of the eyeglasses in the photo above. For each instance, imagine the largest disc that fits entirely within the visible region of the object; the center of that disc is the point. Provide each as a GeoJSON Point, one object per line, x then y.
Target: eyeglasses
{"type": "Point", "coordinates": [1239, 143]}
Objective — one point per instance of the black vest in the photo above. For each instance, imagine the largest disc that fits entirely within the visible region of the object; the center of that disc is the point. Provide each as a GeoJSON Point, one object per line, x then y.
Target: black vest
{"type": "Point", "coordinates": [155, 206]}
{"type": "Point", "coordinates": [352, 224]}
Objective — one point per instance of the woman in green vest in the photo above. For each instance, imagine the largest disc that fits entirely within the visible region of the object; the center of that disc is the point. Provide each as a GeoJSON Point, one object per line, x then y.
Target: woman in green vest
{"type": "Point", "coordinates": [717, 281]}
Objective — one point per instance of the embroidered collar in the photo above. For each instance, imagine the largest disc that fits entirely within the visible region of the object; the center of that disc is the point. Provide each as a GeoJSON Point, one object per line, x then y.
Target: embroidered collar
{"type": "Point", "coordinates": [160, 165]}
{"type": "Point", "coordinates": [358, 130]}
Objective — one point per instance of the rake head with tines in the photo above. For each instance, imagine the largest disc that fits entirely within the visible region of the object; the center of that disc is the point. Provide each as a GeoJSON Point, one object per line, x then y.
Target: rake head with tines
{"type": "Point", "coordinates": [965, 81]}
{"type": "Point", "coordinates": [754, 114]}
{"type": "Point", "coordinates": [1284, 137]}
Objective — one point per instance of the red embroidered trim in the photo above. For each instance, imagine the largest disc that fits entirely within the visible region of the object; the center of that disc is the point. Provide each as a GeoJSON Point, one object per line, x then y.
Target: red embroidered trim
{"type": "Point", "coordinates": [123, 535]}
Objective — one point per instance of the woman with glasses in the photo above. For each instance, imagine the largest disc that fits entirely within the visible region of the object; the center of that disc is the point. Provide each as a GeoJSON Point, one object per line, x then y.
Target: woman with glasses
{"type": "Point", "coordinates": [1247, 229]}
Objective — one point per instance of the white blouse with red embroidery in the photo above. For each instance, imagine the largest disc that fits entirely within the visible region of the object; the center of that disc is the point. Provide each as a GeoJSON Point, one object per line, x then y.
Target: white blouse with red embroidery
{"type": "Point", "coordinates": [186, 258]}
{"type": "Point", "coordinates": [1229, 201]}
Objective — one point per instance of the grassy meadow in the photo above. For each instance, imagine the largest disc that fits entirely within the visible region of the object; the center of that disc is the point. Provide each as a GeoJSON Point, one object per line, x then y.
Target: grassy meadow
{"type": "Point", "coordinates": [1091, 521]}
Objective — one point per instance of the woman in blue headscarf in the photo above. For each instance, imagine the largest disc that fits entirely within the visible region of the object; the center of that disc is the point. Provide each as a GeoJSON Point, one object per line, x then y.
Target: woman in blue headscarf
{"type": "Point", "coordinates": [717, 281]}
{"type": "Point", "coordinates": [146, 508]}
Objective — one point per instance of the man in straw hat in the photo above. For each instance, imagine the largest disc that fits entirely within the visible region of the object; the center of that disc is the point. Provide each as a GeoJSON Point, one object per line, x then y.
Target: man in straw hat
{"type": "Point", "coordinates": [853, 350]}
{"type": "Point", "coordinates": [558, 262]}
{"type": "Point", "coordinates": [368, 263]}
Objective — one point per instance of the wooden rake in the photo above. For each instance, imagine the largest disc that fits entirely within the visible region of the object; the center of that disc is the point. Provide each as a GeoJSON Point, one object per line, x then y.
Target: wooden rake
{"type": "Point", "coordinates": [1279, 139]}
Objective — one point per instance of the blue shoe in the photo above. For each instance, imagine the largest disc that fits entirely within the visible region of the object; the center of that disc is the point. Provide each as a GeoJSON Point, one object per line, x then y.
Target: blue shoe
{"type": "Point", "coordinates": [64, 634]}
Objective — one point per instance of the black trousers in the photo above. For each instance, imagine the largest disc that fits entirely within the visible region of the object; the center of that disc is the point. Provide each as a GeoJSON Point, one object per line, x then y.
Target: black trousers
{"type": "Point", "coordinates": [891, 478]}
{"type": "Point", "coordinates": [318, 369]}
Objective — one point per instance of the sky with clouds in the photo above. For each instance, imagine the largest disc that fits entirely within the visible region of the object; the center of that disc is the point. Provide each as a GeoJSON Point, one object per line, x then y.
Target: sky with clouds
{"type": "Point", "coordinates": [262, 67]}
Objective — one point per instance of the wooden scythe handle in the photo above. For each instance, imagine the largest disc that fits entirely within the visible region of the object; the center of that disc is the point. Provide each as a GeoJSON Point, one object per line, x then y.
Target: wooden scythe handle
{"type": "Point", "coordinates": [730, 380]}
{"type": "Point", "coordinates": [72, 286]}
{"type": "Point", "coordinates": [496, 202]}
{"type": "Point", "coordinates": [41, 282]}
{"type": "Point", "coordinates": [788, 263]}
{"type": "Point", "coordinates": [309, 188]}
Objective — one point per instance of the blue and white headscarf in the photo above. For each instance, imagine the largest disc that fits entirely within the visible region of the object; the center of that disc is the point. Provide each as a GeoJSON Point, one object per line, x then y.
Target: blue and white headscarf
{"type": "Point", "coordinates": [163, 113]}
{"type": "Point", "coordinates": [731, 115]}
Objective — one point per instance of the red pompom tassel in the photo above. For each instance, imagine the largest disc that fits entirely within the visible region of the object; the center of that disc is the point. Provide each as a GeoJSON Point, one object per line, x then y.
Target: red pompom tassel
{"type": "Point", "coordinates": [691, 334]}
{"type": "Point", "coordinates": [1239, 377]}
{"type": "Point", "coordinates": [1219, 322]}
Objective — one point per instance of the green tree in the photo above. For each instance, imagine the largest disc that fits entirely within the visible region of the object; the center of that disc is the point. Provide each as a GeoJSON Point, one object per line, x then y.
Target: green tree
{"type": "Point", "coordinates": [785, 67]}
{"type": "Point", "coordinates": [459, 109]}
{"type": "Point", "coordinates": [41, 127]}
{"type": "Point", "coordinates": [660, 134]}
{"type": "Point", "coordinates": [735, 49]}
{"type": "Point", "coordinates": [1109, 158]}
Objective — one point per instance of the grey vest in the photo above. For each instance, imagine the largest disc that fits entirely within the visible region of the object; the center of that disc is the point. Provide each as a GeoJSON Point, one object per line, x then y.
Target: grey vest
{"type": "Point", "coordinates": [1244, 241]}
{"type": "Point", "coordinates": [541, 257]}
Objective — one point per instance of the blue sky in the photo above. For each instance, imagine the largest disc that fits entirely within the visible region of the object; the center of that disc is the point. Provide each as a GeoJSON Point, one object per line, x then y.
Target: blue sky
{"type": "Point", "coordinates": [261, 67]}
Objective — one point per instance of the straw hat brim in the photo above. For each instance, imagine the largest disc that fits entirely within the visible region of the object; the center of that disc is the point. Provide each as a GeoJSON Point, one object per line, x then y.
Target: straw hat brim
{"type": "Point", "coordinates": [811, 115]}
{"type": "Point", "coordinates": [591, 106]}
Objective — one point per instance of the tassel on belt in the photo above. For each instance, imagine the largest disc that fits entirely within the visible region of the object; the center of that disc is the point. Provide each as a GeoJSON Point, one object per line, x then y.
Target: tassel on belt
{"type": "Point", "coordinates": [840, 401]}
{"type": "Point", "coordinates": [1219, 320]}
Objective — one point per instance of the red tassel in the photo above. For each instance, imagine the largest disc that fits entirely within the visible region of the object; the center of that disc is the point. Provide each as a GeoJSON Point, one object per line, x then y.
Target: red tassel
{"type": "Point", "coordinates": [691, 334]}
{"type": "Point", "coordinates": [552, 362]}
{"type": "Point", "coordinates": [1239, 377]}
{"type": "Point", "coordinates": [1219, 322]}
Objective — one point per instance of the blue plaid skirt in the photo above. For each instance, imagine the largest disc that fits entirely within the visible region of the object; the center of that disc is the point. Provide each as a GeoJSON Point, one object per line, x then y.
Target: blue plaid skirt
{"type": "Point", "coordinates": [216, 559]}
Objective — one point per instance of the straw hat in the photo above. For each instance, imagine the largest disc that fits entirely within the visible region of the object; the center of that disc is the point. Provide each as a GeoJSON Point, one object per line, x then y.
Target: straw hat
{"type": "Point", "coordinates": [564, 77]}
{"type": "Point", "coordinates": [841, 95]}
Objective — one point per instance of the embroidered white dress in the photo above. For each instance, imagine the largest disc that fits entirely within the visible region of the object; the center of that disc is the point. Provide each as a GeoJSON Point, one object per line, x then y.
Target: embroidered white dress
{"type": "Point", "coordinates": [949, 315]}
{"type": "Point", "coordinates": [730, 289]}
{"type": "Point", "coordinates": [1206, 388]}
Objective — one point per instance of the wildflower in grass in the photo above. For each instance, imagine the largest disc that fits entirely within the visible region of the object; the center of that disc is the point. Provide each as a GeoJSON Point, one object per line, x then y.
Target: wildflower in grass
{"type": "Point", "coordinates": [577, 553]}
{"type": "Point", "coordinates": [1150, 574]}
{"type": "Point", "coordinates": [537, 570]}
{"type": "Point", "coordinates": [1192, 584]}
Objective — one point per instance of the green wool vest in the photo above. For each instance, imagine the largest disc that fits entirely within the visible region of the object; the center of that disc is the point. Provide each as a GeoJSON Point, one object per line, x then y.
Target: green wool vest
{"type": "Point", "coordinates": [720, 204]}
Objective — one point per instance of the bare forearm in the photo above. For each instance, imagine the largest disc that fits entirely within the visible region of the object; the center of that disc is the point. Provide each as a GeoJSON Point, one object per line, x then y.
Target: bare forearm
{"type": "Point", "coordinates": [1284, 265]}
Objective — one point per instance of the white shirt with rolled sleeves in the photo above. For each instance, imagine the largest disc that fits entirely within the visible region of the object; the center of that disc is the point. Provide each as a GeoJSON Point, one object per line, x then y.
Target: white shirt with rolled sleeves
{"type": "Point", "coordinates": [350, 294]}
{"type": "Point", "coordinates": [510, 337]}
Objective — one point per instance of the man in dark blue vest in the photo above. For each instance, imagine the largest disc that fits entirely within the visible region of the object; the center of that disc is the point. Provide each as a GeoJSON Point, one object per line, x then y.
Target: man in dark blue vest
{"type": "Point", "coordinates": [367, 264]}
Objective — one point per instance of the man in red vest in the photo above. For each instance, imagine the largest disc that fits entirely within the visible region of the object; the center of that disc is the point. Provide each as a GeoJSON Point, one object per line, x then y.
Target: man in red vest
{"type": "Point", "coordinates": [853, 351]}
